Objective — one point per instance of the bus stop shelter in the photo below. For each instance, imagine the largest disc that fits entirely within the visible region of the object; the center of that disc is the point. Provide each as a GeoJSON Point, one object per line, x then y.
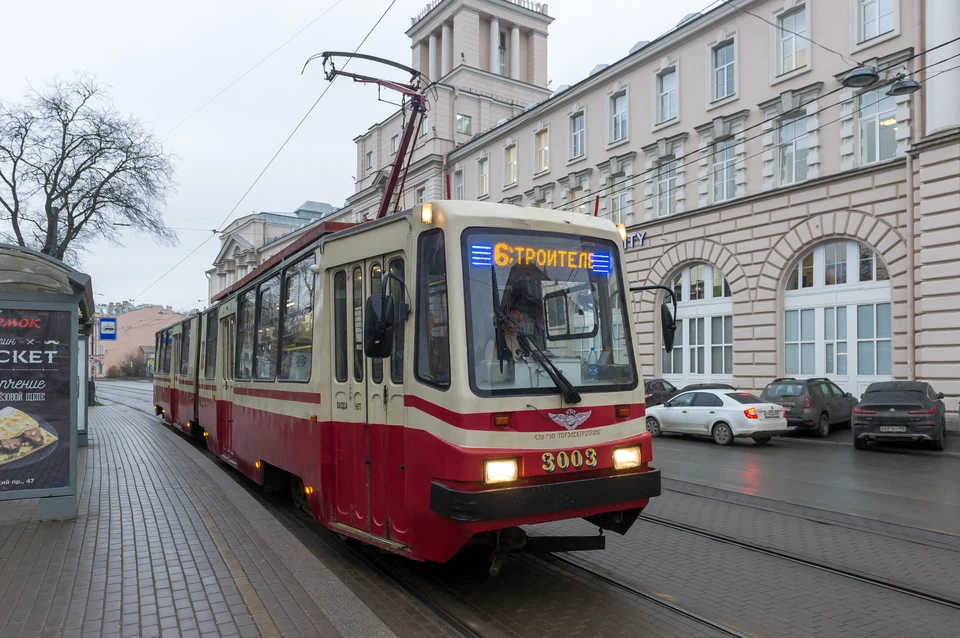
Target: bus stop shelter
{"type": "Point", "coordinates": [46, 314]}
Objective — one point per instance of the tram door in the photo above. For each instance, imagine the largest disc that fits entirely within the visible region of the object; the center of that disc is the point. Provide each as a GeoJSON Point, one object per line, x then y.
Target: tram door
{"type": "Point", "coordinates": [228, 341]}
{"type": "Point", "coordinates": [350, 429]}
{"type": "Point", "coordinates": [174, 373]}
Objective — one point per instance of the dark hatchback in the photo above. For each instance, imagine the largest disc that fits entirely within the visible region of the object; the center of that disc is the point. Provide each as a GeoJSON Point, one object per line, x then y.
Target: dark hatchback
{"type": "Point", "coordinates": [900, 411]}
{"type": "Point", "coordinates": [658, 391]}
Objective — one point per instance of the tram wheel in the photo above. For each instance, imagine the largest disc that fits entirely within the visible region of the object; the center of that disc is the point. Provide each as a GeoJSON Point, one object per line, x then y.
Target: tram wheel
{"type": "Point", "coordinates": [297, 494]}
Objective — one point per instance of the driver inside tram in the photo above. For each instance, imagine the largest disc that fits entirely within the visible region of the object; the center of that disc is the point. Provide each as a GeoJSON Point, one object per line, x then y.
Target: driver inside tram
{"type": "Point", "coordinates": [521, 297]}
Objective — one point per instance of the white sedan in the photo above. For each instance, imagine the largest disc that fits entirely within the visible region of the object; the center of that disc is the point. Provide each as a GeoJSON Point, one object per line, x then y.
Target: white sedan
{"type": "Point", "coordinates": [720, 414]}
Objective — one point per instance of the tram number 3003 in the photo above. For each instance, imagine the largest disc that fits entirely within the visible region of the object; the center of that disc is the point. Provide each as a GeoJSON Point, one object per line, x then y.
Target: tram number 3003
{"type": "Point", "coordinates": [565, 460]}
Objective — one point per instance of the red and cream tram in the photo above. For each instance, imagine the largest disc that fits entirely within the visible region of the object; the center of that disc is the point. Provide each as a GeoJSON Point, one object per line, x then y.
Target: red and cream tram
{"type": "Point", "coordinates": [502, 388]}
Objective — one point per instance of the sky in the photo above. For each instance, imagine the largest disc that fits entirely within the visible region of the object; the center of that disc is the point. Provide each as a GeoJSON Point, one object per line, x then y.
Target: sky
{"type": "Point", "coordinates": [163, 60]}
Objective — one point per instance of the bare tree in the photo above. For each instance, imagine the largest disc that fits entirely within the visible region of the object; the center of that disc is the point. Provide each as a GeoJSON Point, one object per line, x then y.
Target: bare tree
{"type": "Point", "coordinates": [72, 168]}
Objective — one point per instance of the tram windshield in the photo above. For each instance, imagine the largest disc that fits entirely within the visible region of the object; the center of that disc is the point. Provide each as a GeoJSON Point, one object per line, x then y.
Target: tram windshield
{"type": "Point", "coordinates": [561, 295]}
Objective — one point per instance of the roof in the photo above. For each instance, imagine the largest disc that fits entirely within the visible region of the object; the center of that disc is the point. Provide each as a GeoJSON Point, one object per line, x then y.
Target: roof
{"type": "Point", "coordinates": [30, 272]}
{"type": "Point", "coordinates": [898, 386]}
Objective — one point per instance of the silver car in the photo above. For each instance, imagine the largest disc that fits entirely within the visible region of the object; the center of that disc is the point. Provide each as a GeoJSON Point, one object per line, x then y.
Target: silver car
{"type": "Point", "coordinates": [720, 414]}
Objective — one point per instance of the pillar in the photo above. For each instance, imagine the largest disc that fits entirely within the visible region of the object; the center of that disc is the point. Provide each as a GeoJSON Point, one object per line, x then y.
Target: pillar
{"type": "Point", "coordinates": [942, 92]}
{"type": "Point", "coordinates": [494, 45]}
{"type": "Point", "coordinates": [446, 59]}
{"type": "Point", "coordinates": [515, 52]}
{"type": "Point", "coordinates": [433, 58]}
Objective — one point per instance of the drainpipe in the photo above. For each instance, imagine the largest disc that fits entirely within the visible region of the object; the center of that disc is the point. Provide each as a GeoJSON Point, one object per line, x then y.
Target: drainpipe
{"type": "Point", "coordinates": [916, 131]}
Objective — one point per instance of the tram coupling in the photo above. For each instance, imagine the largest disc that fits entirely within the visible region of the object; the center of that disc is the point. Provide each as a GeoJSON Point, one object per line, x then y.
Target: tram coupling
{"type": "Point", "coordinates": [514, 539]}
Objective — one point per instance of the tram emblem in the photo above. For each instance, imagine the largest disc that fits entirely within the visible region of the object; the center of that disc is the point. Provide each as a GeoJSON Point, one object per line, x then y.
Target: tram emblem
{"type": "Point", "coordinates": [570, 419]}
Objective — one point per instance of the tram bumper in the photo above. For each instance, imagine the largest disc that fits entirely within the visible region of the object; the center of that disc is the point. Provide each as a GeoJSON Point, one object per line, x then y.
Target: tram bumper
{"type": "Point", "coordinates": [544, 498]}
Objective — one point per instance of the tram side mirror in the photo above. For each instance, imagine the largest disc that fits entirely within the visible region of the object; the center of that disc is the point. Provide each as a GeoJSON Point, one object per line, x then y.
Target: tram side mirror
{"type": "Point", "coordinates": [378, 326]}
{"type": "Point", "coordinates": [668, 326]}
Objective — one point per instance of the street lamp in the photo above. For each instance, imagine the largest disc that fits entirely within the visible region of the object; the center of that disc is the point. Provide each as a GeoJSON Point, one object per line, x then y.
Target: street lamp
{"type": "Point", "coordinates": [903, 86]}
{"type": "Point", "coordinates": [860, 77]}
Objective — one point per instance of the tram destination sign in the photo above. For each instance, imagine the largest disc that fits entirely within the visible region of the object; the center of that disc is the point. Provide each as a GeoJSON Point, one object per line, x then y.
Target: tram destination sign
{"type": "Point", "coordinates": [35, 405]}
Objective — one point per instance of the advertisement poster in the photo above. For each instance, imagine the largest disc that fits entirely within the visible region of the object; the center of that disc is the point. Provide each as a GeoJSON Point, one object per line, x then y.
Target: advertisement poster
{"type": "Point", "coordinates": [35, 378]}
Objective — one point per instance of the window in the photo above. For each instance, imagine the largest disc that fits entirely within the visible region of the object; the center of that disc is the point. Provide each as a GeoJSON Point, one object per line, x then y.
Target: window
{"type": "Point", "coordinates": [792, 44]}
{"type": "Point", "coordinates": [873, 339]}
{"type": "Point", "coordinates": [296, 328]}
{"type": "Point", "coordinates": [542, 142]}
{"type": "Point", "coordinates": [397, 292]}
{"type": "Point", "coordinates": [502, 59]}
{"type": "Point", "coordinates": [577, 135]}
{"type": "Point", "coordinates": [433, 338]}
{"type": "Point", "coordinates": [835, 263]}
{"type": "Point", "coordinates": [376, 287]}
{"type": "Point", "coordinates": [618, 117]}
{"type": "Point", "coordinates": [167, 342]}
{"type": "Point", "coordinates": [802, 274]}
{"type": "Point", "coordinates": [463, 124]}
{"type": "Point", "coordinates": [458, 184]}
{"type": "Point", "coordinates": [872, 267]}
{"type": "Point", "coordinates": [268, 322]}
{"type": "Point", "coordinates": [877, 128]}
{"type": "Point", "coordinates": [420, 194]}
{"type": "Point", "coordinates": [369, 160]}
{"type": "Point", "coordinates": [578, 200]}
{"type": "Point", "coordinates": [210, 352]}
{"type": "Point", "coordinates": [721, 344]}
{"type": "Point", "coordinates": [245, 310]}
{"type": "Point", "coordinates": [706, 400]}
{"type": "Point", "coordinates": [483, 177]}
{"type": "Point", "coordinates": [424, 124]}
{"type": "Point", "coordinates": [357, 292]}
{"type": "Point", "coordinates": [394, 143]}
{"type": "Point", "coordinates": [876, 18]}
{"type": "Point", "coordinates": [697, 288]}
{"type": "Point", "coordinates": [340, 324]}
{"type": "Point", "coordinates": [666, 184]}
{"type": "Point", "coordinates": [673, 361]}
{"type": "Point", "coordinates": [798, 339]}
{"type": "Point", "coordinates": [510, 164]}
{"type": "Point", "coordinates": [667, 95]}
{"type": "Point", "coordinates": [721, 288]}
{"type": "Point", "coordinates": [792, 149]}
{"type": "Point", "coordinates": [618, 199]}
{"type": "Point", "coordinates": [835, 339]}
{"type": "Point", "coordinates": [696, 345]}
{"type": "Point", "coordinates": [723, 71]}
{"type": "Point", "coordinates": [185, 350]}
{"type": "Point", "coordinates": [724, 171]}
{"type": "Point", "coordinates": [677, 288]}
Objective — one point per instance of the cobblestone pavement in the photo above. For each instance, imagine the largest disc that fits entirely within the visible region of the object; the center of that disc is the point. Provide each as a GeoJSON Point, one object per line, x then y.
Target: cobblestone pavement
{"type": "Point", "coordinates": [150, 554]}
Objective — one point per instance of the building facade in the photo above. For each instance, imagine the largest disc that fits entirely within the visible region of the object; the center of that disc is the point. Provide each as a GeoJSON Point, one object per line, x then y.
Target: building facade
{"type": "Point", "coordinates": [136, 330]}
{"type": "Point", "coordinates": [807, 228]}
{"type": "Point", "coordinates": [252, 239]}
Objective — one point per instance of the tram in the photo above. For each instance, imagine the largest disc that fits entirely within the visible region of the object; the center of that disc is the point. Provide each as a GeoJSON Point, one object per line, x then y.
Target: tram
{"type": "Point", "coordinates": [440, 376]}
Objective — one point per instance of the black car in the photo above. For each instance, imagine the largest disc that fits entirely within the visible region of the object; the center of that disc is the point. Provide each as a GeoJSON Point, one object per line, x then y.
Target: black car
{"type": "Point", "coordinates": [658, 391]}
{"type": "Point", "coordinates": [811, 403]}
{"type": "Point", "coordinates": [900, 411]}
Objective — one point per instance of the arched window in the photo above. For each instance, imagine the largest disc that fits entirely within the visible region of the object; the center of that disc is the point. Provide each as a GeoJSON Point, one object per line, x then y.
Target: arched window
{"type": "Point", "coordinates": [837, 316]}
{"type": "Point", "coordinates": [703, 342]}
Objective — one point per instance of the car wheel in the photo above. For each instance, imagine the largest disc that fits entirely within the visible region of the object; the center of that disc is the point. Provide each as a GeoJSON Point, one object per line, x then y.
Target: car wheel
{"type": "Point", "coordinates": [823, 426]}
{"type": "Point", "coordinates": [653, 427]}
{"type": "Point", "coordinates": [722, 434]}
{"type": "Point", "coordinates": [938, 445]}
{"type": "Point", "coordinates": [761, 440]}
{"type": "Point", "coordinates": [860, 444]}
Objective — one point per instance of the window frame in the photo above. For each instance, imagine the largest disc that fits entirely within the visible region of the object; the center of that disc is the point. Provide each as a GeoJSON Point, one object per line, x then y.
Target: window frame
{"type": "Point", "coordinates": [510, 165]}
{"type": "Point", "coordinates": [369, 160]}
{"type": "Point", "coordinates": [792, 119]}
{"type": "Point", "coordinates": [419, 318]}
{"type": "Point", "coordinates": [668, 178]}
{"type": "Point", "coordinates": [618, 192]}
{"type": "Point", "coordinates": [256, 329]}
{"type": "Point", "coordinates": [835, 333]}
{"type": "Point", "coordinates": [458, 185]}
{"type": "Point", "coordinates": [212, 317]}
{"type": "Point", "coordinates": [395, 143]}
{"type": "Point", "coordinates": [782, 36]}
{"type": "Point", "coordinates": [858, 10]}
{"type": "Point", "coordinates": [483, 177]}
{"type": "Point", "coordinates": [671, 94]}
{"type": "Point", "coordinates": [541, 152]}
{"type": "Point", "coordinates": [875, 339]}
{"type": "Point", "coordinates": [619, 119]}
{"type": "Point", "coordinates": [339, 325]}
{"type": "Point", "coordinates": [468, 128]}
{"type": "Point", "coordinates": [876, 125]}
{"type": "Point", "coordinates": [281, 334]}
{"type": "Point", "coordinates": [728, 68]}
{"type": "Point", "coordinates": [356, 342]}
{"type": "Point", "coordinates": [578, 136]}
{"type": "Point", "coordinates": [727, 166]}
{"type": "Point", "coordinates": [723, 345]}
{"type": "Point", "coordinates": [397, 292]}
{"type": "Point", "coordinates": [800, 342]}
{"type": "Point", "coordinates": [420, 194]}
{"type": "Point", "coordinates": [242, 305]}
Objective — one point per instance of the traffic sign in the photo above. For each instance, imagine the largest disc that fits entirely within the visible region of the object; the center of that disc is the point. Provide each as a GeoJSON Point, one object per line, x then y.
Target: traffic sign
{"type": "Point", "coordinates": [108, 329]}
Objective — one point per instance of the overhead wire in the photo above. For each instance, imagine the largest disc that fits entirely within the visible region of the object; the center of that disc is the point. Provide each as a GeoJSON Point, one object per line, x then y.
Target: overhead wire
{"type": "Point", "coordinates": [272, 159]}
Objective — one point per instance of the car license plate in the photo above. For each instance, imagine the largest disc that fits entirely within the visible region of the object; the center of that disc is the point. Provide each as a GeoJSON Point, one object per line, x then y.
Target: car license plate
{"type": "Point", "coordinates": [771, 414]}
{"type": "Point", "coordinates": [788, 406]}
{"type": "Point", "coordinates": [893, 428]}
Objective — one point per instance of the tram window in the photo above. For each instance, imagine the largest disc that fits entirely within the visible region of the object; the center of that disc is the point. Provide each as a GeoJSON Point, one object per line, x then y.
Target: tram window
{"type": "Point", "coordinates": [376, 285]}
{"type": "Point", "coordinates": [245, 310]}
{"type": "Point", "coordinates": [167, 341]}
{"type": "Point", "coordinates": [433, 337]}
{"type": "Point", "coordinates": [396, 291]}
{"type": "Point", "coordinates": [268, 322]}
{"type": "Point", "coordinates": [358, 323]}
{"type": "Point", "coordinates": [185, 350]}
{"type": "Point", "coordinates": [210, 354]}
{"type": "Point", "coordinates": [296, 337]}
{"type": "Point", "coordinates": [340, 323]}
{"type": "Point", "coordinates": [156, 354]}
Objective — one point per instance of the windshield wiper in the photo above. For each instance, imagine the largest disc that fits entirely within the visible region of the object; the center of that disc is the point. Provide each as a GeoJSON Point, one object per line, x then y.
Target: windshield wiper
{"type": "Point", "coordinates": [530, 348]}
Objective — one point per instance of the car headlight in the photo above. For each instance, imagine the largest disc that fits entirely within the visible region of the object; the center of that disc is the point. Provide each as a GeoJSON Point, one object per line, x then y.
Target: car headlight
{"type": "Point", "coordinates": [626, 457]}
{"type": "Point", "coordinates": [500, 471]}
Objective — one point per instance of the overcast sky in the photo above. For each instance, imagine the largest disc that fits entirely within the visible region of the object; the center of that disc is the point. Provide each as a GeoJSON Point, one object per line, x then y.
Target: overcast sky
{"type": "Point", "coordinates": [163, 60]}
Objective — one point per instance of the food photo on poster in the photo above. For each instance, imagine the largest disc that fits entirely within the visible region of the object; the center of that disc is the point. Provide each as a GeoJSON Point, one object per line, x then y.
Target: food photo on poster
{"type": "Point", "coordinates": [35, 378]}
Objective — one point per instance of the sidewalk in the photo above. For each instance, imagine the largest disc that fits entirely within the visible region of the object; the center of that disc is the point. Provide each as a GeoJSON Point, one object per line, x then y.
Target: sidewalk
{"type": "Point", "coordinates": [166, 543]}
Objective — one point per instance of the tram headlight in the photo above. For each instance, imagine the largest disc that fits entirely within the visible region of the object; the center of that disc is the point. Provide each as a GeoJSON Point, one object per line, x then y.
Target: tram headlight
{"type": "Point", "coordinates": [426, 213]}
{"type": "Point", "coordinates": [499, 471]}
{"type": "Point", "coordinates": [626, 457]}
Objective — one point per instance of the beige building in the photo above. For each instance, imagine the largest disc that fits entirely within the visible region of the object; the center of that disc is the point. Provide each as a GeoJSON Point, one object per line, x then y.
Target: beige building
{"type": "Point", "coordinates": [252, 239]}
{"type": "Point", "coordinates": [807, 228]}
{"type": "Point", "coordinates": [136, 331]}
